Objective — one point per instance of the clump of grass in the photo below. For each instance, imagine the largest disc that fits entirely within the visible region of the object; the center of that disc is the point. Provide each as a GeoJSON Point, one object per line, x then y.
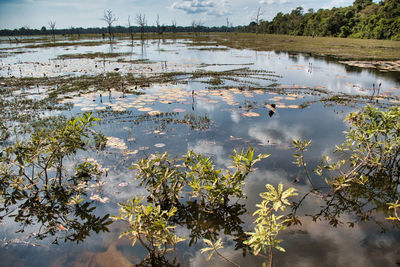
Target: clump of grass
{"type": "Point", "coordinates": [216, 81]}
{"type": "Point", "coordinates": [210, 49]}
{"type": "Point", "coordinates": [135, 61]}
{"type": "Point", "coordinates": [92, 55]}
{"type": "Point", "coordinates": [63, 44]}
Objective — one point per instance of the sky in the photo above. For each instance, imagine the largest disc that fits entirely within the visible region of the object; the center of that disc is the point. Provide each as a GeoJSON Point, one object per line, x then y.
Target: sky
{"type": "Point", "coordinates": [34, 14]}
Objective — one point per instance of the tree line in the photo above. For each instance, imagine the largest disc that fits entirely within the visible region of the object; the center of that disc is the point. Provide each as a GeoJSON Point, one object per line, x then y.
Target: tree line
{"type": "Point", "coordinates": [195, 27]}
{"type": "Point", "coordinates": [363, 19]}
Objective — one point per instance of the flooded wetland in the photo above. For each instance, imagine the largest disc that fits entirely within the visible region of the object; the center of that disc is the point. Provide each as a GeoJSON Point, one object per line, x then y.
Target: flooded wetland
{"type": "Point", "coordinates": [155, 96]}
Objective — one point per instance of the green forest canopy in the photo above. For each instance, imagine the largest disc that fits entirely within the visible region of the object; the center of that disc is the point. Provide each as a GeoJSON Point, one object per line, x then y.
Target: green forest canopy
{"type": "Point", "coordinates": [364, 19]}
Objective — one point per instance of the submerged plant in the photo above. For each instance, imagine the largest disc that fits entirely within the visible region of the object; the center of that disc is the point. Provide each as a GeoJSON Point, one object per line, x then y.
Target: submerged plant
{"type": "Point", "coordinates": [209, 191]}
{"type": "Point", "coordinates": [150, 225]}
{"type": "Point", "coordinates": [264, 237]}
{"type": "Point", "coordinates": [215, 186]}
{"type": "Point", "coordinates": [269, 224]}
{"type": "Point", "coordinates": [213, 248]}
{"type": "Point", "coordinates": [365, 175]}
{"type": "Point", "coordinates": [161, 177]}
{"type": "Point", "coordinates": [164, 178]}
{"type": "Point", "coordinates": [301, 147]}
{"type": "Point", "coordinates": [394, 206]}
{"type": "Point", "coordinates": [36, 188]}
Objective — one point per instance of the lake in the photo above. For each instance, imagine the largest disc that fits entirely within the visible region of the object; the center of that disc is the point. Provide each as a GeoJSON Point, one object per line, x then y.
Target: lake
{"type": "Point", "coordinates": [177, 95]}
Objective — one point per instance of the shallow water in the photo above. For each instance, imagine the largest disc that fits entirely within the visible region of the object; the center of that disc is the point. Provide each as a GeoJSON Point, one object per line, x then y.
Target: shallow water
{"type": "Point", "coordinates": [236, 119]}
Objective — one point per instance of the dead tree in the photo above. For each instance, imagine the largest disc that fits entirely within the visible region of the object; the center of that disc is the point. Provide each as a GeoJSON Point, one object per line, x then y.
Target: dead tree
{"type": "Point", "coordinates": [158, 24]}
{"type": "Point", "coordinates": [257, 18]}
{"type": "Point", "coordinates": [109, 18]}
{"type": "Point", "coordinates": [193, 26]}
{"type": "Point", "coordinates": [199, 25]}
{"type": "Point", "coordinates": [141, 20]}
{"type": "Point", "coordinates": [52, 25]}
{"type": "Point", "coordinates": [173, 26]}
{"type": "Point", "coordinates": [130, 28]}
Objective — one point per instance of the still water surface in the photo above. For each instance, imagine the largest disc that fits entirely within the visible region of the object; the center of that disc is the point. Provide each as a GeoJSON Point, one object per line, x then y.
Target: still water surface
{"type": "Point", "coordinates": [236, 119]}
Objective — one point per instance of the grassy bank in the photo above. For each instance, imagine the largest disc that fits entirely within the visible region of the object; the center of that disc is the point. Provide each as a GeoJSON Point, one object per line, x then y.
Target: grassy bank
{"type": "Point", "coordinates": [342, 48]}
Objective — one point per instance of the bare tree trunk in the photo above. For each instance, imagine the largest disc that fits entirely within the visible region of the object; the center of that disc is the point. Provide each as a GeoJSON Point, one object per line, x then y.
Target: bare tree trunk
{"type": "Point", "coordinates": [257, 18]}
{"type": "Point", "coordinates": [109, 18]}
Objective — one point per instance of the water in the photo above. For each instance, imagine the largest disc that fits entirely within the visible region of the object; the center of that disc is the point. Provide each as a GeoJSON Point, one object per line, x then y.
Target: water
{"type": "Point", "coordinates": [222, 119]}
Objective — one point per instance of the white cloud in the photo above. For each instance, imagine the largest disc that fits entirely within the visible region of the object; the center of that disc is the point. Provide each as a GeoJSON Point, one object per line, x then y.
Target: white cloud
{"type": "Point", "coordinates": [194, 6]}
{"type": "Point", "coordinates": [210, 148]}
{"type": "Point", "coordinates": [274, 133]}
{"type": "Point", "coordinates": [338, 3]}
{"type": "Point", "coordinates": [208, 7]}
{"type": "Point", "coordinates": [235, 116]}
{"type": "Point", "coordinates": [270, 2]}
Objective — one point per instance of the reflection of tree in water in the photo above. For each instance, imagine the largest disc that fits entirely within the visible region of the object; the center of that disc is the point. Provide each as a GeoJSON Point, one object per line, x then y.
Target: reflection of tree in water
{"type": "Point", "coordinates": [37, 190]}
{"type": "Point", "coordinates": [191, 193]}
{"type": "Point", "coordinates": [366, 175]}
{"type": "Point", "coordinates": [158, 260]}
{"type": "Point", "coordinates": [364, 201]}
{"type": "Point", "coordinates": [208, 222]}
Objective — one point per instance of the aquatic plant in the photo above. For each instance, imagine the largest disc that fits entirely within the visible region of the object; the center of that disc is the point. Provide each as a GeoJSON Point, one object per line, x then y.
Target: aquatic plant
{"type": "Point", "coordinates": [149, 225]}
{"type": "Point", "coordinates": [36, 188]}
{"type": "Point", "coordinates": [268, 225]}
{"type": "Point", "coordinates": [365, 175]}
{"type": "Point", "coordinates": [213, 248]}
{"type": "Point", "coordinates": [394, 206]}
{"type": "Point", "coordinates": [208, 195]}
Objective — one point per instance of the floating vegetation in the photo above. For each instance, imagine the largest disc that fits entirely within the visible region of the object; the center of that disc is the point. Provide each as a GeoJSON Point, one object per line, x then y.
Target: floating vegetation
{"type": "Point", "coordinates": [251, 114]}
{"type": "Point", "coordinates": [212, 48]}
{"type": "Point", "coordinates": [93, 55]}
{"type": "Point", "coordinates": [97, 197]}
{"type": "Point", "coordinates": [179, 110]}
{"type": "Point", "coordinates": [145, 109]}
{"type": "Point", "coordinates": [131, 152]}
{"type": "Point", "coordinates": [287, 106]}
{"type": "Point", "coordinates": [117, 143]}
{"type": "Point", "coordinates": [63, 44]}
{"type": "Point", "coordinates": [160, 145]}
{"type": "Point", "coordinates": [135, 61]}
{"type": "Point", "coordinates": [154, 113]}
{"type": "Point", "coordinates": [147, 106]}
{"type": "Point", "coordinates": [380, 65]}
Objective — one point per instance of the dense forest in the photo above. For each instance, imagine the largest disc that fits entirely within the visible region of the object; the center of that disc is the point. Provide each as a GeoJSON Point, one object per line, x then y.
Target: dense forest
{"type": "Point", "coordinates": [364, 19]}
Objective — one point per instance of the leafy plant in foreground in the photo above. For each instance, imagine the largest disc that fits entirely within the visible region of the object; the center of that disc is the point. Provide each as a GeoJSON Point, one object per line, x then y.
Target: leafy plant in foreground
{"type": "Point", "coordinates": [364, 177]}
{"type": "Point", "coordinates": [214, 186]}
{"type": "Point", "coordinates": [164, 178]}
{"type": "Point", "coordinates": [206, 199]}
{"type": "Point", "coordinates": [36, 188]}
{"type": "Point", "coordinates": [301, 147]}
{"type": "Point", "coordinates": [394, 207]}
{"type": "Point", "coordinates": [149, 225]}
{"type": "Point", "coordinates": [213, 248]}
{"type": "Point", "coordinates": [264, 237]}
